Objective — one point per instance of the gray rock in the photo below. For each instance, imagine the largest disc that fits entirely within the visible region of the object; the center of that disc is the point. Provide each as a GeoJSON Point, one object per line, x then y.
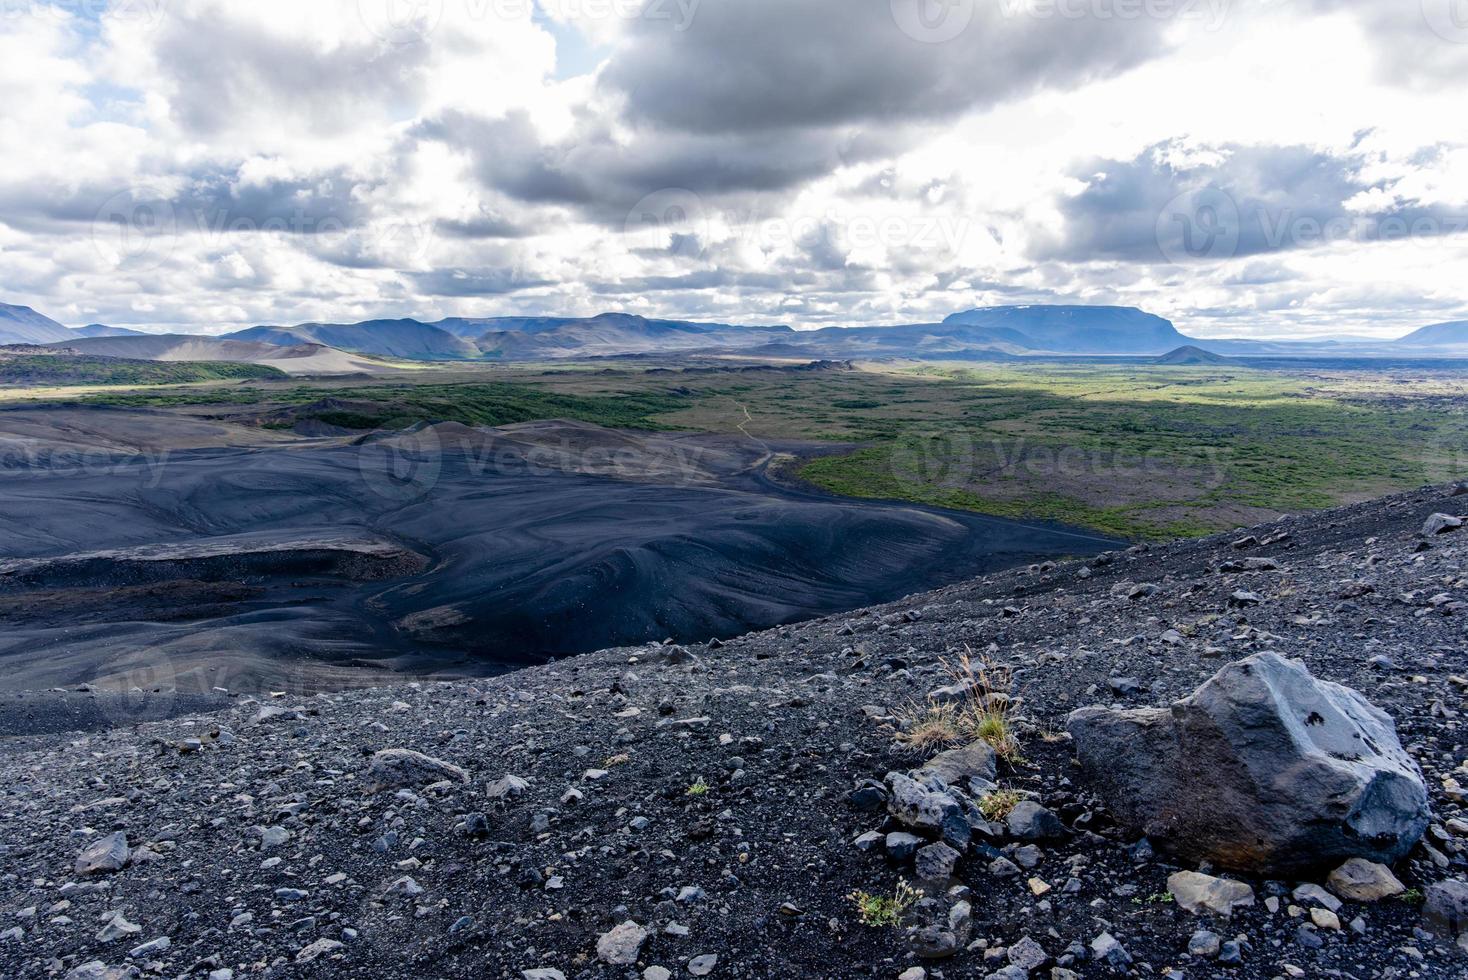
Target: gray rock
{"type": "Point", "coordinates": [1364, 881]}
{"type": "Point", "coordinates": [936, 862]}
{"type": "Point", "coordinates": [508, 788]}
{"type": "Point", "coordinates": [1028, 955]}
{"type": "Point", "coordinates": [621, 946]}
{"type": "Point", "coordinates": [933, 942]}
{"type": "Point", "coordinates": [1441, 524]}
{"type": "Point", "coordinates": [104, 855]}
{"type": "Point", "coordinates": [394, 768]}
{"type": "Point", "coordinates": [958, 766]}
{"type": "Point", "coordinates": [1199, 894]}
{"type": "Point", "coordinates": [118, 928]}
{"type": "Point", "coordinates": [1205, 944]}
{"type": "Point", "coordinates": [318, 949]}
{"type": "Point", "coordinates": [1263, 769]}
{"type": "Point", "coordinates": [542, 973]}
{"type": "Point", "coordinates": [1309, 894]}
{"type": "Point", "coordinates": [901, 846]}
{"type": "Point", "coordinates": [1446, 909]}
{"type": "Point", "coordinates": [702, 966]}
{"type": "Point", "coordinates": [1031, 821]}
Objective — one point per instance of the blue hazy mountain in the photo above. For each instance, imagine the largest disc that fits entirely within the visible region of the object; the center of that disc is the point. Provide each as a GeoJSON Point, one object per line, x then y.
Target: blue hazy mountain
{"type": "Point", "coordinates": [102, 330]}
{"type": "Point", "coordinates": [23, 325]}
{"type": "Point", "coordinates": [386, 338]}
{"type": "Point", "coordinates": [1453, 334]}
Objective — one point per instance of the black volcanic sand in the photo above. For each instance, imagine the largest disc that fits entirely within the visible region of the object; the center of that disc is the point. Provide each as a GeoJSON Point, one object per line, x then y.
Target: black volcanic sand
{"type": "Point", "coordinates": [442, 549]}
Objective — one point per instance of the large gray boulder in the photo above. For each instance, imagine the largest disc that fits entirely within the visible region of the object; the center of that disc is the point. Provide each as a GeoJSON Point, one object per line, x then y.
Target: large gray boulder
{"type": "Point", "coordinates": [1264, 769]}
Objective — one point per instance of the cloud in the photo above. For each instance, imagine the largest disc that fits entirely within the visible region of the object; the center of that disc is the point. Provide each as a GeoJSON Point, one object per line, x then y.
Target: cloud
{"type": "Point", "coordinates": [1177, 204]}
{"type": "Point", "coordinates": [753, 66]}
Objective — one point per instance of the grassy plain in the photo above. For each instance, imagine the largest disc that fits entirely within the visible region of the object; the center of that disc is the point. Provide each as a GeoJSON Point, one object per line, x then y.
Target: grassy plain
{"type": "Point", "coordinates": [1132, 449]}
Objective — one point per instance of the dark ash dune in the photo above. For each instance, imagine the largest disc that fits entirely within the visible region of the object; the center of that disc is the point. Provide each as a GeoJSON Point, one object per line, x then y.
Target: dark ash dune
{"type": "Point", "coordinates": [444, 549]}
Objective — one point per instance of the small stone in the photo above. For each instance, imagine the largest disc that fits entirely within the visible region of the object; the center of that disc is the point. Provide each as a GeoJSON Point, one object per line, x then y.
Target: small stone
{"type": "Point", "coordinates": [319, 948]}
{"type": "Point", "coordinates": [117, 928]}
{"type": "Point", "coordinates": [1028, 955]}
{"type": "Point", "coordinates": [1441, 524]}
{"type": "Point", "coordinates": [702, 966]}
{"type": "Point", "coordinates": [913, 973]}
{"type": "Point", "coordinates": [1031, 821]}
{"type": "Point", "coordinates": [1205, 944]}
{"type": "Point", "coordinates": [542, 973]}
{"type": "Point", "coordinates": [1308, 894]}
{"type": "Point", "coordinates": [508, 788]}
{"type": "Point", "coordinates": [1325, 919]}
{"type": "Point", "coordinates": [621, 946]}
{"type": "Point", "coordinates": [657, 973]}
{"type": "Point", "coordinates": [936, 862]}
{"type": "Point", "coordinates": [104, 855]}
{"type": "Point", "coordinates": [1200, 894]}
{"type": "Point", "coordinates": [394, 768]}
{"type": "Point", "coordinates": [1359, 880]}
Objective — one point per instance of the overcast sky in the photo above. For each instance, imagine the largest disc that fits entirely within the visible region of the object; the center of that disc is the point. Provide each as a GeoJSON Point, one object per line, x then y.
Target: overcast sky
{"type": "Point", "coordinates": [1244, 167]}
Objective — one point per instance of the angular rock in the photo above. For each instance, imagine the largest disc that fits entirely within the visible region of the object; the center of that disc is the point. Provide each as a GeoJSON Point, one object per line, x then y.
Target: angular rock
{"type": "Point", "coordinates": [394, 768]}
{"type": "Point", "coordinates": [1441, 524]}
{"type": "Point", "coordinates": [1263, 769]}
{"type": "Point", "coordinates": [104, 855]}
{"type": "Point", "coordinates": [958, 766]}
{"type": "Point", "coordinates": [1446, 909]}
{"type": "Point", "coordinates": [1364, 881]}
{"type": "Point", "coordinates": [1200, 894]}
{"type": "Point", "coordinates": [318, 949]}
{"type": "Point", "coordinates": [936, 862]}
{"type": "Point", "coordinates": [1031, 821]}
{"type": "Point", "coordinates": [1028, 955]}
{"type": "Point", "coordinates": [622, 945]}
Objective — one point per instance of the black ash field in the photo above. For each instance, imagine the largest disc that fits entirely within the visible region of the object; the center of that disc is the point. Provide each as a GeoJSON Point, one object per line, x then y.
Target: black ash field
{"type": "Point", "coordinates": [246, 559]}
{"type": "Point", "coordinates": [672, 811]}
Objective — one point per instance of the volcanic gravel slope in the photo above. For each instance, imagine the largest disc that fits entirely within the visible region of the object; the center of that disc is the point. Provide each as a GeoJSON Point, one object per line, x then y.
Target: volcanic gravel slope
{"type": "Point", "coordinates": [262, 849]}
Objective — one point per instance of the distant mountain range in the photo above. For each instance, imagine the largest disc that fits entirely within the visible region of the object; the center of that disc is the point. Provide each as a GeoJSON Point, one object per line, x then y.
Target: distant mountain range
{"type": "Point", "coordinates": [990, 333]}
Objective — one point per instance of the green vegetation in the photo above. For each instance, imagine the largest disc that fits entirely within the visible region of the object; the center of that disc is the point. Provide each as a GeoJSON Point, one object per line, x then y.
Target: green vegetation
{"type": "Point", "coordinates": [1132, 450]}
{"type": "Point", "coordinates": [699, 788]}
{"type": "Point", "coordinates": [882, 912]}
{"type": "Point", "coordinates": [999, 804]}
{"type": "Point", "coordinates": [69, 370]}
{"type": "Point", "coordinates": [396, 406]}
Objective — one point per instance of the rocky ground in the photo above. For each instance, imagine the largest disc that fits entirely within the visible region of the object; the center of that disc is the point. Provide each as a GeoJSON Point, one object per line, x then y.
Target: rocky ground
{"type": "Point", "coordinates": [710, 811]}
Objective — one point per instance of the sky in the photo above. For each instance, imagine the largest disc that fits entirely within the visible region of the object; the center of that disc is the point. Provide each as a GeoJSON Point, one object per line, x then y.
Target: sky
{"type": "Point", "coordinates": [1265, 168]}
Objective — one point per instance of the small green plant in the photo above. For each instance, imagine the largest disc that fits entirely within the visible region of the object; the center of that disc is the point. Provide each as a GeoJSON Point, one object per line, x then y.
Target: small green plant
{"type": "Point", "coordinates": [881, 911]}
{"type": "Point", "coordinates": [699, 788]}
{"type": "Point", "coordinates": [1156, 898]}
{"type": "Point", "coordinates": [999, 804]}
{"type": "Point", "coordinates": [1412, 896]}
